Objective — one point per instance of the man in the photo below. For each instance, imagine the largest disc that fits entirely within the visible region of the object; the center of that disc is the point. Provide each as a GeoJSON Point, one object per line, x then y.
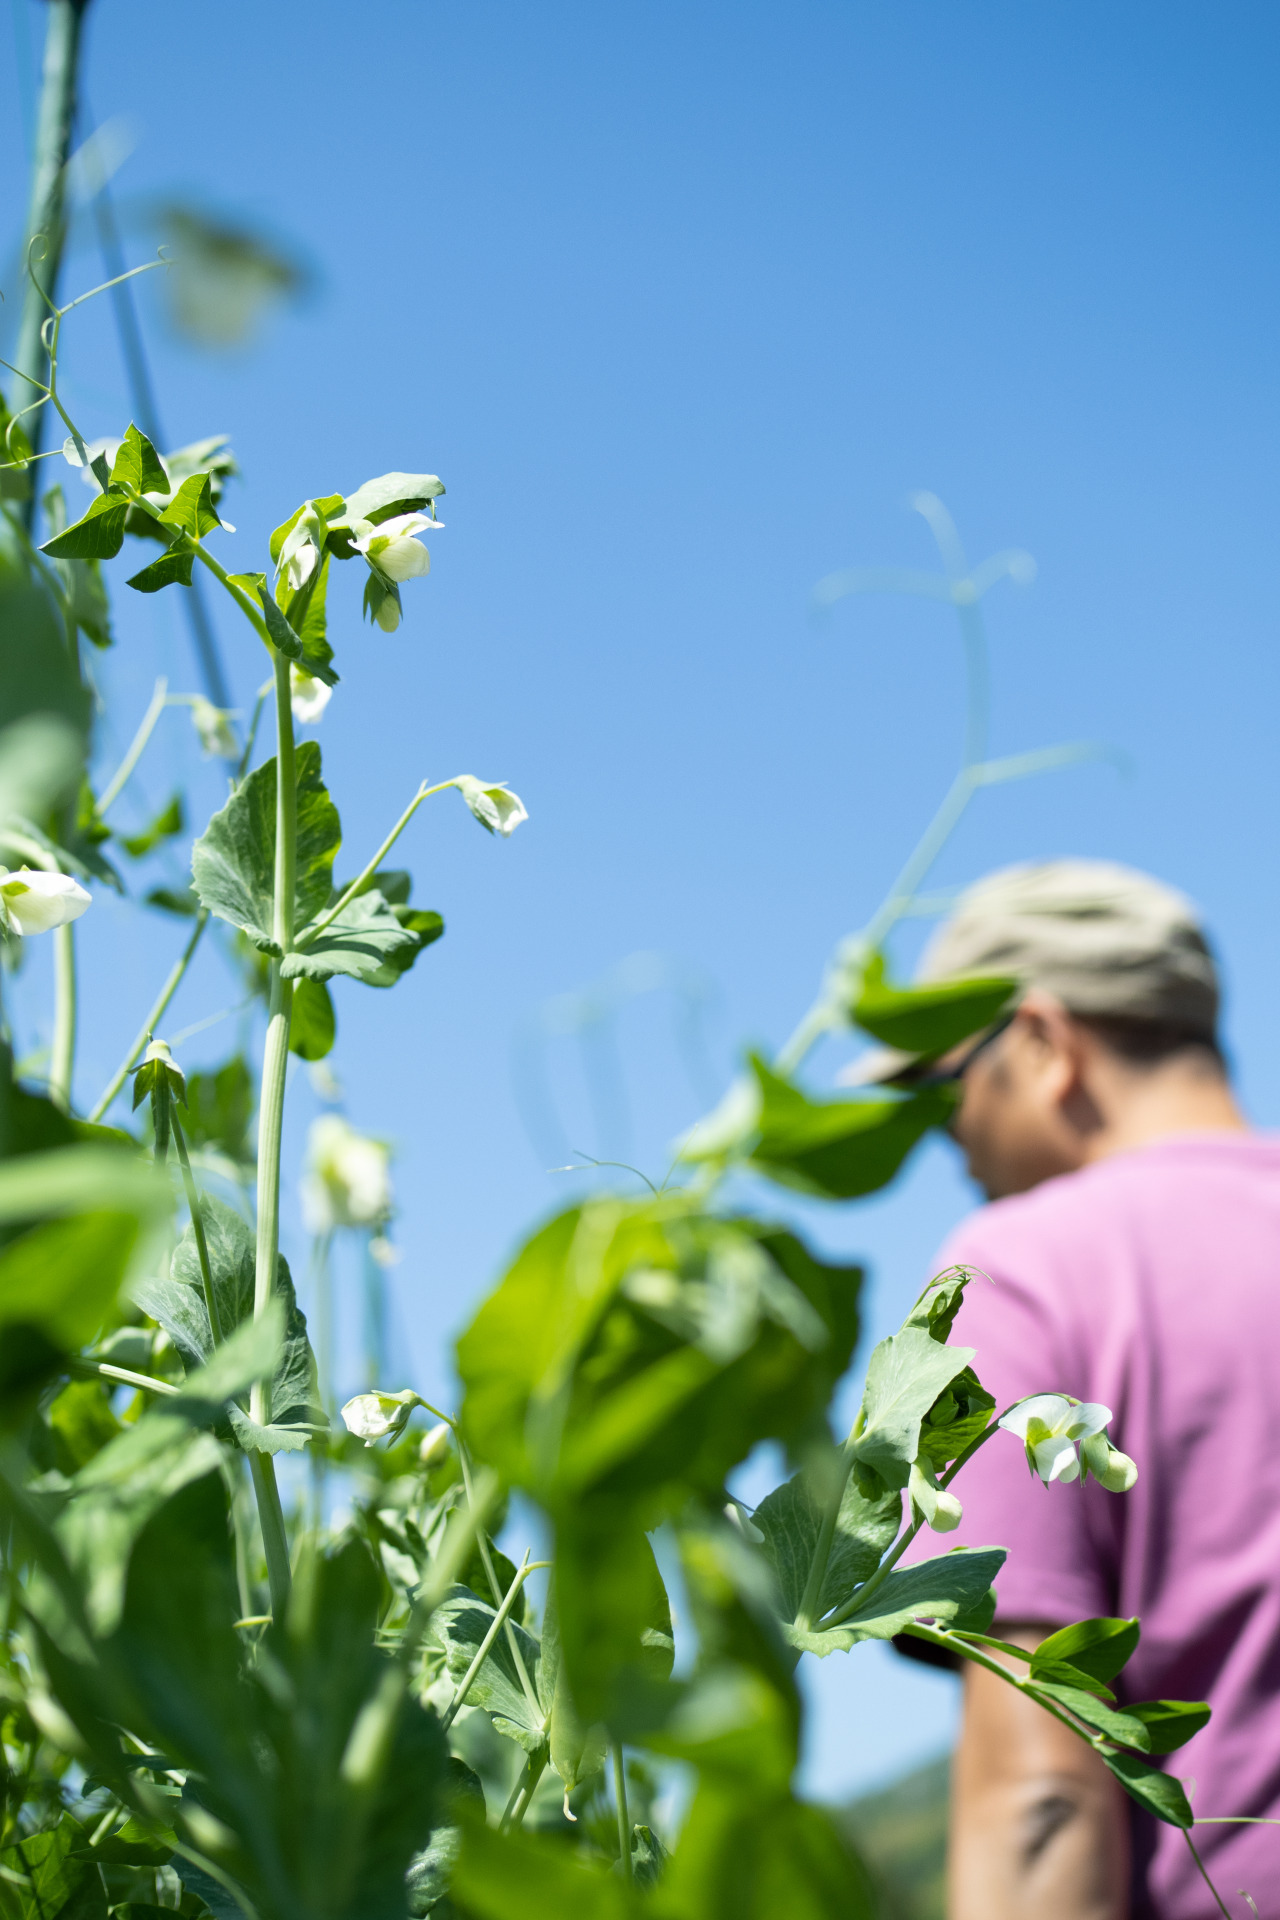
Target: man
{"type": "Point", "coordinates": [1131, 1254]}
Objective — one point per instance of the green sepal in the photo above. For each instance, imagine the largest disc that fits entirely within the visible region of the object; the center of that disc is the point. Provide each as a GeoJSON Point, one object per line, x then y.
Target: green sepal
{"type": "Point", "coordinates": [192, 508]}
{"type": "Point", "coordinates": [928, 1020]}
{"type": "Point", "coordinates": [330, 506]}
{"type": "Point", "coordinates": [97, 535]}
{"type": "Point", "coordinates": [159, 1074]}
{"type": "Point", "coordinates": [137, 465]}
{"type": "Point", "coordinates": [173, 568]}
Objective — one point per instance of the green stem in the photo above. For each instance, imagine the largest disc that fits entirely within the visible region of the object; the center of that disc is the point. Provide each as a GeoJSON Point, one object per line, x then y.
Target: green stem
{"type": "Point", "coordinates": [121, 1376]}
{"type": "Point", "coordinates": [526, 1786]}
{"type": "Point", "coordinates": [275, 1063]}
{"type": "Point", "coordinates": [330, 915]}
{"type": "Point", "coordinates": [62, 1062]}
{"type": "Point", "coordinates": [491, 1575]}
{"type": "Point", "coordinates": [468, 1679]}
{"type": "Point", "coordinates": [45, 215]}
{"type": "Point", "coordinates": [1204, 1874]}
{"type": "Point", "coordinates": [152, 1020]}
{"type": "Point", "coordinates": [624, 1818]}
{"type": "Point", "coordinates": [197, 1227]}
{"type": "Point", "coordinates": [116, 784]}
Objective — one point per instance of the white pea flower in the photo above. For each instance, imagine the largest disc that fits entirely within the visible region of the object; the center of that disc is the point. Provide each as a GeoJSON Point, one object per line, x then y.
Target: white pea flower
{"type": "Point", "coordinates": [391, 549]}
{"type": "Point", "coordinates": [302, 547]}
{"type": "Point", "coordinates": [494, 805]}
{"type": "Point", "coordinates": [377, 1416]}
{"type": "Point", "coordinates": [1051, 1426]}
{"type": "Point", "coordinates": [932, 1503]}
{"type": "Point", "coordinates": [347, 1182]}
{"type": "Point", "coordinates": [307, 696]}
{"type": "Point", "coordinates": [213, 724]}
{"type": "Point", "coordinates": [35, 902]}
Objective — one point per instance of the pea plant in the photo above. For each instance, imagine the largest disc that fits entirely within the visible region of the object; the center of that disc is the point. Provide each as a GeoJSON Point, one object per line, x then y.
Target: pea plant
{"type": "Point", "coordinates": [220, 1697]}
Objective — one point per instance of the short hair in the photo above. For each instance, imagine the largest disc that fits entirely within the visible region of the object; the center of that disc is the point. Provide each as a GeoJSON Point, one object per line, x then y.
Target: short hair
{"type": "Point", "coordinates": [1148, 1043]}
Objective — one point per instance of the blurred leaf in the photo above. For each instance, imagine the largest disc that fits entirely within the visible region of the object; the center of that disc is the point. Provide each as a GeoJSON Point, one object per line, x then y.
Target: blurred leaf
{"type": "Point", "coordinates": [314, 1026]}
{"type": "Point", "coordinates": [171, 820]}
{"type": "Point", "coordinates": [82, 580]}
{"type": "Point", "coordinates": [15, 453]}
{"type": "Point", "coordinates": [931, 1019]}
{"type": "Point", "coordinates": [431, 1871]}
{"type": "Point", "coordinates": [233, 861]}
{"type": "Point", "coordinates": [226, 275]}
{"type": "Point", "coordinates": [499, 1875]}
{"type": "Point", "coordinates": [838, 1149]}
{"type": "Point", "coordinates": [37, 674]}
{"type": "Point", "coordinates": [745, 1858]}
{"type": "Point", "coordinates": [186, 904]}
{"type": "Point", "coordinates": [220, 1104]}
{"type": "Point", "coordinates": [82, 1423]}
{"type": "Point", "coordinates": [790, 1518]}
{"type": "Point", "coordinates": [945, 1590]}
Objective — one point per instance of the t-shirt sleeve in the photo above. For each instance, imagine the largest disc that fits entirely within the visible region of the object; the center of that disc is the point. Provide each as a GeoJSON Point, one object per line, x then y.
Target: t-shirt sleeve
{"type": "Point", "coordinates": [1010, 1317]}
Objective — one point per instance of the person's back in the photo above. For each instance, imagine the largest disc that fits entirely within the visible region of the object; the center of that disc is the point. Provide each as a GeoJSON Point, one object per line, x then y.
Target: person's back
{"type": "Point", "coordinates": [1150, 1281]}
{"type": "Point", "coordinates": [1133, 1254]}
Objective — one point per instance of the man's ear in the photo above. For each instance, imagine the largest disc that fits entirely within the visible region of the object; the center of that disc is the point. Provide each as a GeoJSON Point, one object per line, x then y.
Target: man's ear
{"type": "Point", "coordinates": [1055, 1040]}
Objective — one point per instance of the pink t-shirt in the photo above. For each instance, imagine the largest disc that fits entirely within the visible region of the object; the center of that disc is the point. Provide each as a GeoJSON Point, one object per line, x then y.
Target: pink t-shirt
{"type": "Point", "coordinates": [1151, 1282]}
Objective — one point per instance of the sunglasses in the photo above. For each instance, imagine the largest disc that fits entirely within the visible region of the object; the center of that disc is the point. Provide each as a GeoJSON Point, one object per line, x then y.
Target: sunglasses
{"type": "Point", "coordinates": [950, 1076]}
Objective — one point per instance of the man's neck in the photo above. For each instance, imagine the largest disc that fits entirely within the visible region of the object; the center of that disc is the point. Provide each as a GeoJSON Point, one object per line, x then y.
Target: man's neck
{"type": "Point", "coordinates": [1138, 1106]}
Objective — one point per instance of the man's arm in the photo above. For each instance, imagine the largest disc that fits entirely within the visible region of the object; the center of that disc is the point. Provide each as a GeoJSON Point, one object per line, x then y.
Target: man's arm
{"type": "Point", "coordinates": [1038, 1825]}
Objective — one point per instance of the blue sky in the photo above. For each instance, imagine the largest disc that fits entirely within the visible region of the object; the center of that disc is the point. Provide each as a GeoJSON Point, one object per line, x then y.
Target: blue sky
{"type": "Point", "coordinates": [683, 303]}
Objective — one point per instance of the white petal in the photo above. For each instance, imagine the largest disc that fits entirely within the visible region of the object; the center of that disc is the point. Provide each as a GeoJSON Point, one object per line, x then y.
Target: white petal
{"type": "Point", "coordinates": [307, 696]}
{"type": "Point", "coordinates": [402, 560]}
{"type": "Point", "coordinates": [37, 902]}
{"type": "Point", "coordinates": [1055, 1459]}
{"type": "Point", "coordinates": [365, 1417]}
{"type": "Point", "coordinates": [1046, 1407]}
{"type": "Point", "coordinates": [1090, 1417]}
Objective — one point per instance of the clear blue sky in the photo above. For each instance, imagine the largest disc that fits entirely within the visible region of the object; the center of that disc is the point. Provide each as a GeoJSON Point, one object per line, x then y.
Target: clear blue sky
{"type": "Point", "coordinates": [682, 302]}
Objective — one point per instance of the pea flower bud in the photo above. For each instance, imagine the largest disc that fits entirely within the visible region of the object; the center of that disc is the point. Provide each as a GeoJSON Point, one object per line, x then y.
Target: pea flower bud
{"type": "Point", "coordinates": [932, 1503]}
{"type": "Point", "coordinates": [1051, 1426]}
{"type": "Point", "coordinates": [435, 1445]}
{"type": "Point", "coordinates": [32, 901]}
{"type": "Point", "coordinates": [302, 547]}
{"type": "Point", "coordinates": [307, 696]}
{"type": "Point", "coordinates": [379, 1416]}
{"type": "Point", "coordinates": [496, 808]}
{"type": "Point", "coordinates": [159, 1068]}
{"type": "Point", "coordinates": [213, 724]}
{"type": "Point", "coordinates": [347, 1182]}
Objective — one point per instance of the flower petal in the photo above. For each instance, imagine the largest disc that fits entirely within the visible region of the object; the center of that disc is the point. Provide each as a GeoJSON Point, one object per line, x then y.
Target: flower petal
{"type": "Point", "coordinates": [1046, 1407]}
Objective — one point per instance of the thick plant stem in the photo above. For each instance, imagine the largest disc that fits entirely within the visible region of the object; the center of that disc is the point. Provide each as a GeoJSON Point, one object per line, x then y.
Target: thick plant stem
{"type": "Point", "coordinates": [45, 214]}
{"type": "Point", "coordinates": [270, 1125]}
{"type": "Point", "coordinates": [62, 1062]}
{"type": "Point", "coordinates": [624, 1817]}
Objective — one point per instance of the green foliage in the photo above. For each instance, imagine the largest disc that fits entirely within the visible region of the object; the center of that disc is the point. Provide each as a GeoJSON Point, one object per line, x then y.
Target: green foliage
{"type": "Point", "coordinates": [950, 1588]}
{"type": "Point", "coordinates": [99, 532]}
{"type": "Point", "coordinates": [837, 1149]}
{"type": "Point", "coordinates": [315, 1026]}
{"type": "Point", "coordinates": [178, 1304]}
{"type": "Point", "coordinates": [173, 568]}
{"type": "Point", "coordinates": [790, 1519]}
{"type": "Point", "coordinates": [220, 1107]}
{"type": "Point", "coordinates": [166, 825]}
{"type": "Point", "coordinates": [233, 861]}
{"type": "Point", "coordinates": [928, 1020]}
{"type": "Point", "coordinates": [191, 509]}
{"type": "Point", "coordinates": [137, 465]}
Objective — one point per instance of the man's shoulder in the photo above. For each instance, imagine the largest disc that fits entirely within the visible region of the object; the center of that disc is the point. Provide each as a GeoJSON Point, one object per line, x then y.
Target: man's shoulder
{"type": "Point", "coordinates": [1146, 1190]}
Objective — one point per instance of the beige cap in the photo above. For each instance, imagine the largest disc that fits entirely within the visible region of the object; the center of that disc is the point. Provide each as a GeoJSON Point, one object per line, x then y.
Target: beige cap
{"type": "Point", "coordinates": [1102, 937]}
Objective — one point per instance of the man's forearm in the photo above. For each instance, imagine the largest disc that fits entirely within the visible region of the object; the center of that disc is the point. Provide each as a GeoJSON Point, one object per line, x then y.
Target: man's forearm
{"type": "Point", "coordinates": [1037, 1823]}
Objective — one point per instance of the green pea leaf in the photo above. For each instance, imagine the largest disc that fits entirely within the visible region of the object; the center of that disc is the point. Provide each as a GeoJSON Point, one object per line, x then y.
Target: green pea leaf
{"type": "Point", "coordinates": [173, 568]}
{"type": "Point", "coordinates": [837, 1149]}
{"type": "Point", "coordinates": [97, 535]}
{"type": "Point", "coordinates": [458, 1626]}
{"type": "Point", "coordinates": [931, 1019]}
{"type": "Point", "coordinates": [168, 823]}
{"type": "Point", "coordinates": [1160, 1793]}
{"type": "Point", "coordinates": [362, 940]}
{"type": "Point", "coordinates": [950, 1588]}
{"type": "Point", "coordinates": [905, 1375]}
{"type": "Point", "coordinates": [314, 1026]}
{"type": "Point", "coordinates": [138, 465]}
{"type": "Point", "coordinates": [790, 1518]}
{"type": "Point", "coordinates": [1169, 1724]}
{"type": "Point", "coordinates": [192, 508]}
{"type": "Point", "coordinates": [233, 862]}
{"type": "Point", "coordinates": [1094, 1650]}
{"type": "Point", "coordinates": [394, 884]}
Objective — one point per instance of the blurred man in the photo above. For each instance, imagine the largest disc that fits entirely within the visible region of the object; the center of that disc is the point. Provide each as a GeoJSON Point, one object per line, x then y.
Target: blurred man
{"type": "Point", "coordinates": [1132, 1248]}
